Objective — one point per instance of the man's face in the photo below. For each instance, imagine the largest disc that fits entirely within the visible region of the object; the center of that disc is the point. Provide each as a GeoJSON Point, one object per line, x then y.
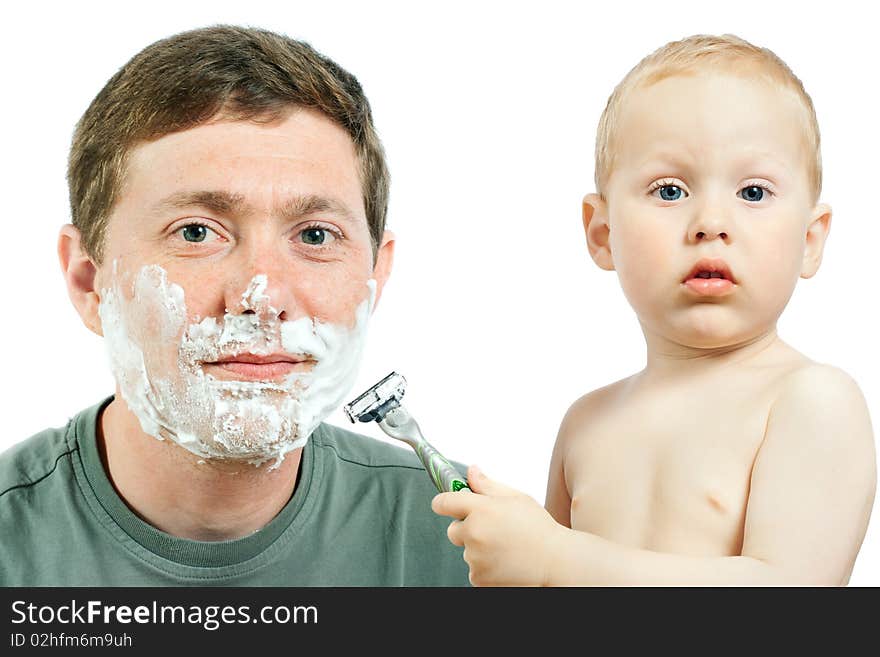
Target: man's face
{"type": "Point", "coordinates": [237, 280]}
{"type": "Point", "coordinates": [708, 207]}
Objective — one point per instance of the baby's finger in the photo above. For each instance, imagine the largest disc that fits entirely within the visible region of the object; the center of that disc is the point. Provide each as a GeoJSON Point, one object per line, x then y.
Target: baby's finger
{"type": "Point", "coordinates": [453, 532]}
{"type": "Point", "coordinates": [455, 505]}
{"type": "Point", "coordinates": [480, 483]}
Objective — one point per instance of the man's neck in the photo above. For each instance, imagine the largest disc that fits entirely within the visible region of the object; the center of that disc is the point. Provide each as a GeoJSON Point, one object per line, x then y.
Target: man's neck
{"type": "Point", "coordinates": [183, 495]}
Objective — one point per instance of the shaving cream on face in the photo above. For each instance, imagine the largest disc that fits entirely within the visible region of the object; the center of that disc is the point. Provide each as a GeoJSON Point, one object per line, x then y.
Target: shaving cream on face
{"type": "Point", "coordinates": [157, 358]}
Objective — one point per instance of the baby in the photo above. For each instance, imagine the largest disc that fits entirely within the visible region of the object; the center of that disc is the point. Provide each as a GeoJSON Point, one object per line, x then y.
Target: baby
{"type": "Point", "coordinates": [730, 458]}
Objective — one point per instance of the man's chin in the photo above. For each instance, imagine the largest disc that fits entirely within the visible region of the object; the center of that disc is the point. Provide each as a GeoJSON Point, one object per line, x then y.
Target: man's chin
{"type": "Point", "coordinates": [243, 429]}
{"type": "Point", "coordinates": [231, 457]}
{"type": "Point", "coordinates": [241, 465]}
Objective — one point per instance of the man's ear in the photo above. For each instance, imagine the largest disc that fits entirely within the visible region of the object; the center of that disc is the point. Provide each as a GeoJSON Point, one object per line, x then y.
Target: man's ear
{"type": "Point", "coordinates": [384, 261]}
{"type": "Point", "coordinates": [79, 274]}
{"type": "Point", "coordinates": [817, 233]}
{"type": "Point", "coordinates": [598, 231]}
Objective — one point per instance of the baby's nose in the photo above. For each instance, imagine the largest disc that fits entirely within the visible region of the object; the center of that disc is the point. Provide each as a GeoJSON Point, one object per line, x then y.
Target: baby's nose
{"type": "Point", "coordinates": [702, 235]}
{"type": "Point", "coordinates": [709, 226]}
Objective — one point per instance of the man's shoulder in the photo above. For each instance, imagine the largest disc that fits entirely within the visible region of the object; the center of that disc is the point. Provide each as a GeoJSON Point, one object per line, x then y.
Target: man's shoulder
{"type": "Point", "coordinates": [33, 459]}
{"type": "Point", "coordinates": [362, 450]}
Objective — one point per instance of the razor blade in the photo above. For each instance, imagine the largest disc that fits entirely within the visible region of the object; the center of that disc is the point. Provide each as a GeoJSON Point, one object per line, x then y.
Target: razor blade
{"type": "Point", "coordinates": [375, 403]}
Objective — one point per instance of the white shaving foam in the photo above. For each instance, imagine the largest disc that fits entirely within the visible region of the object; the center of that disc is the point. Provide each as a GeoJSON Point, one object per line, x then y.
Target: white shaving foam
{"type": "Point", "coordinates": [157, 361]}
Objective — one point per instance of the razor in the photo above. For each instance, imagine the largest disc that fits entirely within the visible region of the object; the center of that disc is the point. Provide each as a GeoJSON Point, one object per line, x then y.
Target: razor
{"type": "Point", "coordinates": [382, 404]}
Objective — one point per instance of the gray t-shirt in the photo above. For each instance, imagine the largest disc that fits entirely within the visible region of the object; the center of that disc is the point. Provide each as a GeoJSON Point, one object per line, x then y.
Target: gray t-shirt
{"type": "Point", "coordinates": [360, 516]}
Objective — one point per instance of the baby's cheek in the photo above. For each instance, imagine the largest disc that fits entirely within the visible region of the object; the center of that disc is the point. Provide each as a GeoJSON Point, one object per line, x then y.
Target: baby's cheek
{"type": "Point", "coordinates": [772, 272]}
{"type": "Point", "coordinates": [777, 254]}
{"type": "Point", "coordinates": [645, 270]}
{"type": "Point", "coordinates": [644, 257]}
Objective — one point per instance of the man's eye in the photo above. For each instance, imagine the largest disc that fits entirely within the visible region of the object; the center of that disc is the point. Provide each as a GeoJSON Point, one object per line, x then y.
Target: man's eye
{"type": "Point", "coordinates": [752, 193]}
{"type": "Point", "coordinates": [670, 192]}
{"type": "Point", "coordinates": [194, 232]}
{"type": "Point", "coordinates": [317, 236]}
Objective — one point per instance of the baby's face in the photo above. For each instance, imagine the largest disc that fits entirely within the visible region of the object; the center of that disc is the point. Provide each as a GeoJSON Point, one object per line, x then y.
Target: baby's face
{"type": "Point", "coordinates": [709, 207]}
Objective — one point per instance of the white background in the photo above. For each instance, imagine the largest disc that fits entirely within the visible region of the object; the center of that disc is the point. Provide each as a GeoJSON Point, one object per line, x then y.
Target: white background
{"type": "Point", "coordinates": [494, 313]}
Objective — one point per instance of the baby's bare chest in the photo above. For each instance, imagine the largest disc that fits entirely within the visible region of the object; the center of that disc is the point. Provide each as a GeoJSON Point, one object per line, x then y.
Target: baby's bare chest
{"type": "Point", "coordinates": [671, 476]}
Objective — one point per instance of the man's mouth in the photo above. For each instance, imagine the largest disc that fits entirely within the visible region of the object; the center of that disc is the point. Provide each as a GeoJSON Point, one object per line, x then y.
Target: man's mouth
{"type": "Point", "coordinates": [253, 367]}
{"type": "Point", "coordinates": [710, 277]}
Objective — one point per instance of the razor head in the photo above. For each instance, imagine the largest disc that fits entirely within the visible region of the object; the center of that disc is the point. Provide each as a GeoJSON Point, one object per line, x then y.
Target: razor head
{"type": "Point", "coordinates": [378, 400]}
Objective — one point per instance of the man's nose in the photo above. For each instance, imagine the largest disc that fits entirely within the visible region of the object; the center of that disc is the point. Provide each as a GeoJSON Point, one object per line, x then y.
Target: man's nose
{"type": "Point", "coordinates": [710, 222]}
{"type": "Point", "coordinates": [259, 285]}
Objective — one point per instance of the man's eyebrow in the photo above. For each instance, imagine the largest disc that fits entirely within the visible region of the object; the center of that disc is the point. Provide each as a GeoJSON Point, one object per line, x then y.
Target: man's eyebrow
{"type": "Point", "coordinates": [218, 201]}
{"type": "Point", "coordinates": [228, 203]}
{"type": "Point", "coordinates": [304, 206]}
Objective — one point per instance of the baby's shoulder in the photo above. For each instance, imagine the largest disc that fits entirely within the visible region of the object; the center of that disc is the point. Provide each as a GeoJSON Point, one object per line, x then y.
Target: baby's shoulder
{"type": "Point", "coordinates": [591, 408]}
{"type": "Point", "coordinates": [823, 405]}
{"type": "Point", "coordinates": [812, 382]}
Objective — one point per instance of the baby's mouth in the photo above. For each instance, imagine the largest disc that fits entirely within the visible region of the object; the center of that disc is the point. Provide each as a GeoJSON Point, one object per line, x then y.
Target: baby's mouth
{"type": "Point", "coordinates": [710, 277]}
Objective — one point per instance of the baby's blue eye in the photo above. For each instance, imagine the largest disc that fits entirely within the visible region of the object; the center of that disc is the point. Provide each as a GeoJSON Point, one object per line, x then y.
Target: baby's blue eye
{"type": "Point", "coordinates": [314, 236]}
{"type": "Point", "coordinates": [752, 193]}
{"type": "Point", "coordinates": [194, 233]}
{"type": "Point", "coordinates": [670, 192]}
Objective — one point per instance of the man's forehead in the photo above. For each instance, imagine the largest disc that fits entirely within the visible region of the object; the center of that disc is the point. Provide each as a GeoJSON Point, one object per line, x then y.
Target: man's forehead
{"type": "Point", "coordinates": [301, 165]}
{"type": "Point", "coordinates": [303, 136]}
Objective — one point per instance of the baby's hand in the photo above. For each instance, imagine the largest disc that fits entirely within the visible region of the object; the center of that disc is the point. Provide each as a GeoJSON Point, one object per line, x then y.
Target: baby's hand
{"type": "Point", "coordinates": [508, 537]}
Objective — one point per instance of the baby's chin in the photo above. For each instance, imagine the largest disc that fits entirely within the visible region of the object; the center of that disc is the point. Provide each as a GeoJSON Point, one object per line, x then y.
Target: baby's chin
{"type": "Point", "coordinates": [709, 330]}
{"type": "Point", "coordinates": [709, 343]}
{"type": "Point", "coordinates": [711, 338]}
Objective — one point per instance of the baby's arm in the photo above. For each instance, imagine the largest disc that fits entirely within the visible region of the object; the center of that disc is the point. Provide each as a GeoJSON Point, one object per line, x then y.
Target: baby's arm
{"type": "Point", "coordinates": [810, 498]}
{"type": "Point", "coordinates": [811, 494]}
{"type": "Point", "coordinates": [813, 481]}
{"type": "Point", "coordinates": [558, 499]}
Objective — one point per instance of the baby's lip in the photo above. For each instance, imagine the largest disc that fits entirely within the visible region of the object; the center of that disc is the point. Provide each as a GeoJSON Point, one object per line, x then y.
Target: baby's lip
{"type": "Point", "coordinates": [706, 267]}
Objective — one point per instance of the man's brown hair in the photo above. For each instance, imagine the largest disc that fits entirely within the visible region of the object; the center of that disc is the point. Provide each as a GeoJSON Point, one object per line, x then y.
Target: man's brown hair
{"type": "Point", "coordinates": [234, 73]}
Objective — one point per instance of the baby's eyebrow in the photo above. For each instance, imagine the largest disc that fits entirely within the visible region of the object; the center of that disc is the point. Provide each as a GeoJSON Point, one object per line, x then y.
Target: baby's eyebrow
{"type": "Point", "coordinates": [755, 158]}
{"type": "Point", "coordinates": [663, 158]}
{"type": "Point", "coordinates": [755, 161]}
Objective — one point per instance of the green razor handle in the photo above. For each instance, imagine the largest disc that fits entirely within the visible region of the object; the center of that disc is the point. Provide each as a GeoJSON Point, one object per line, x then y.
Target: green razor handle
{"type": "Point", "coordinates": [399, 424]}
{"type": "Point", "coordinates": [444, 475]}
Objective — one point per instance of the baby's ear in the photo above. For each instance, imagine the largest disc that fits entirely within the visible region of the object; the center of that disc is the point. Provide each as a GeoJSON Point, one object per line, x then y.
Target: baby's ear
{"type": "Point", "coordinates": [597, 230]}
{"type": "Point", "coordinates": [817, 233]}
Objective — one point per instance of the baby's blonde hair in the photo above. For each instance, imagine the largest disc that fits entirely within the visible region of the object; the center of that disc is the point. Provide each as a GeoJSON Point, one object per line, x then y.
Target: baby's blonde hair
{"type": "Point", "coordinates": [728, 53]}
